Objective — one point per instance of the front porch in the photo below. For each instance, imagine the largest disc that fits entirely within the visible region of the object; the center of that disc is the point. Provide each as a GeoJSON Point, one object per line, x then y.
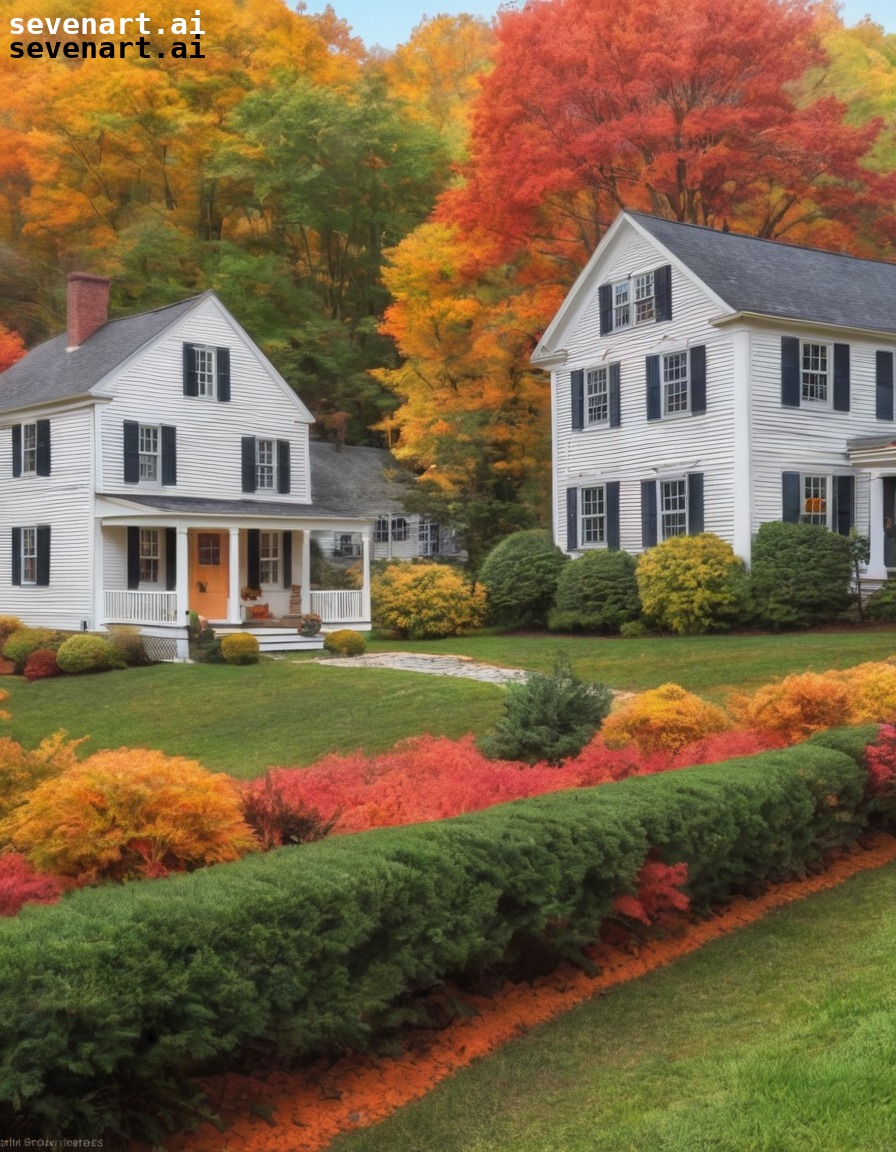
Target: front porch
{"type": "Point", "coordinates": [250, 569]}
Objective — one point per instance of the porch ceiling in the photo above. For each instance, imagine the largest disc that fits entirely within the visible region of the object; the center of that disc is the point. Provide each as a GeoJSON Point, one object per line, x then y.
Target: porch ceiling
{"type": "Point", "coordinates": [121, 509]}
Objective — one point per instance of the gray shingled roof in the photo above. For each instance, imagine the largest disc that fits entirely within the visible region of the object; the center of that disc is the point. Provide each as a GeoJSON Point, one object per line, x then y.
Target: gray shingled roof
{"type": "Point", "coordinates": [51, 373]}
{"type": "Point", "coordinates": [362, 481]}
{"type": "Point", "coordinates": [198, 505]}
{"type": "Point", "coordinates": [776, 279]}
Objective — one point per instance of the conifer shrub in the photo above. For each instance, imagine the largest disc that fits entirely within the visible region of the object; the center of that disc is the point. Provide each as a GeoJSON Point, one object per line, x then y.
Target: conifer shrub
{"type": "Point", "coordinates": [597, 592]}
{"type": "Point", "coordinates": [85, 653]}
{"type": "Point", "coordinates": [426, 601]}
{"type": "Point", "coordinates": [796, 706]}
{"type": "Point", "coordinates": [41, 665]}
{"type": "Point", "coordinates": [800, 575]}
{"type": "Point", "coordinates": [692, 584]}
{"type": "Point", "coordinates": [520, 575]}
{"type": "Point", "coordinates": [21, 643]}
{"type": "Point", "coordinates": [881, 604]}
{"type": "Point", "coordinates": [345, 642]}
{"type": "Point", "coordinates": [130, 813]}
{"type": "Point", "coordinates": [548, 717]}
{"type": "Point", "coordinates": [240, 648]}
{"type": "Point", "coordinates": [664, 719]}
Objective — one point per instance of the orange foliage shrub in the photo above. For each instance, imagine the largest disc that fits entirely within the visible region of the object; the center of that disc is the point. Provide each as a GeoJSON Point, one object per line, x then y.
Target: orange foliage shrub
{"type": "Point", "coordinates": [128, 813]}
{"type": "Point", "coordinates": [665, 719]}
{"type": "Point", "coordinates": [796, 706]}
{"type": "Point", "coordinates": [872, 692]}
{"type": "Point", "coordinates": [22, 769]}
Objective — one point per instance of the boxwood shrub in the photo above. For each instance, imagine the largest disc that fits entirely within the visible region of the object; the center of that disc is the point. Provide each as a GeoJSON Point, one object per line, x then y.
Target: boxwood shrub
{"type": "Point", "coordinates": [111, 999]}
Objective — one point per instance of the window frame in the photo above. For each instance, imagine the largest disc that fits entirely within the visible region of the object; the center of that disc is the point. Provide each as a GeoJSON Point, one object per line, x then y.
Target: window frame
{"type": "Point", "coordinates": [429, 537]}
{"type": "Point", "coordinates": [150, 555]}
{"type": "Point", "coordinates": [28, 555]}
{"type": "Point", "coordinates": [827, 373]}
{"type": "Point", "coordinates": [205, 367]}
{"type": "Point", "coordinates": [270, 555]}
{"type": "Point", "coordinates": [145, 456]}
{"type": "Point", "coordinates": [600, 378]}
{"type": "Point", "coordinates": [663, 513]}
{"type": "Point", "coordinates": [683, 355]}
{"type": "Point", "coordinates": [630, 300]}
{"type": "Point", "coordinates": [814, 515]}
{"type": "Point", "coordinates": [29, 450]}
{"type": "Point", "coordinates": [265, 468]}
{"type": "Point", "coordinates": [592, 522]}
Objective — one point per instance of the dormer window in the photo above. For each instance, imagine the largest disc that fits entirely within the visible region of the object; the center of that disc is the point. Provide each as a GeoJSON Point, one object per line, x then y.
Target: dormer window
{"type": "Point", "coordinates": [641, 298]}
{"type": "Point", "coordinates": [206, 372]}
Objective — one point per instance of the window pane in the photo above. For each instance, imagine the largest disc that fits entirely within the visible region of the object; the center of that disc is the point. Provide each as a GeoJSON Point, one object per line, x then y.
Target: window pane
{"type": "Point", "coordinates": [209, 549]}
{"type": "Point", "coordinates": [149, 452]}
{"type": "Point", "coordinates": [205, 371]}
{"type": "Point", "coordinates": [815, 372]}
{"type": "Point", "coordinates": [597, 396]}
{"type": "Point", "coordinates": [675, 382]}
{"type": "Point", "coordinates": [673, 508]}
{"type": "Point", "coordinates": [149, 555]}
{"type": "Point", "coordinates": [593, 526]}
{"type": "Point", "coordinates": [815, 500]}
{"type": "Point", "coordinates": [29, 447]}
{"type": "Point", "coordinates": [399, 529]}
{"type": "Point", "coordinates": [264, 463]}
{"type": "Point", "coordinates": [269, 557]}
{"type": "Point", "coordinates": [644, 298]}
{"type": "Point", "coordinates": [29, 555]}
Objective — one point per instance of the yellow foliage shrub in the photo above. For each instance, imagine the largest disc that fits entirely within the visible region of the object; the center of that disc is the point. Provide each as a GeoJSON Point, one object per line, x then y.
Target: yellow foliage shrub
{"type": "Point", "coordinates": [796, 706]}
{"type": "Point", "coordinates": [22, 769]}
{"type": "Point", "coordinates": [128, 813]}
{"type": "Point", "coordinates": [426, 601]}
{"type": "Point", "coordinates": [663, 720]}
{"type": "Point", "coordinates": [872, 692]}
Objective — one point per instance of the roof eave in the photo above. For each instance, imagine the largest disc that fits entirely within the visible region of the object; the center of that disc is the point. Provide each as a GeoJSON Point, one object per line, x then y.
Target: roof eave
{"type": "Point", "coordinates": [799, 322]}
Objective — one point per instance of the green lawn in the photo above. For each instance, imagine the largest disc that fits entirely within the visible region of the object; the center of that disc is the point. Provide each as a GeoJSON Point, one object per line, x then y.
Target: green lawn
{"type": "Point", "coordinates": [779, 1038]}
{"type": "Point", "coordinates": [709, 665]}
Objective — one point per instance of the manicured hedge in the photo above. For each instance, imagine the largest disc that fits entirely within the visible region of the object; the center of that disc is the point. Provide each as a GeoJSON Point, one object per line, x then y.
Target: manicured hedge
{"type": "Point", "coordinates": [111, 999]}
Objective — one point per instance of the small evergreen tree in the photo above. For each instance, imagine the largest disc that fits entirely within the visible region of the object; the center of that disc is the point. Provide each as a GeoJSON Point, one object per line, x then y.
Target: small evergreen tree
{"type": "Point", "coordinates": [520, 576]}
{"type": "Point", "coordinates": [548, 717]}
{"type": "Point", "coordinates": [801, 575]}
{"type": "Point", "coordinates": [596, 593]}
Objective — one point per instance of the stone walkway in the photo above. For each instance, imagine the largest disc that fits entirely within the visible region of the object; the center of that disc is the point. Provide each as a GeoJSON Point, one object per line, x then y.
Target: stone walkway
{"type": "Point", "coordinates": [463, 666]}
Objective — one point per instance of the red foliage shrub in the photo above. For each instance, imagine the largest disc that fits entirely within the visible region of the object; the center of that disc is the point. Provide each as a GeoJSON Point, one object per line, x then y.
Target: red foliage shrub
{"type": "Point", "coordinates": [881, 760]}
{"type": "Point", "coordinates": [21, 884]}
{"type": "Point", "coordinates": [656, 894]}
{"type": "Point", "coordinates": [41, 664]}
{"type": "Point", "coordinates": [278, 818]}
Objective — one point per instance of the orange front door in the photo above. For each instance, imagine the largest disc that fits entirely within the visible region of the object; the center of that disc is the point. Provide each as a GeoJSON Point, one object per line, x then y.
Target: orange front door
{"type": "Point", "coordinates": [209, 573]}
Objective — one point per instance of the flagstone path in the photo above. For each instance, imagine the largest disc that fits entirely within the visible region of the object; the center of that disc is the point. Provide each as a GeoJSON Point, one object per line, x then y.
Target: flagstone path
{"type": "Point", "coordinates": [463, 666]}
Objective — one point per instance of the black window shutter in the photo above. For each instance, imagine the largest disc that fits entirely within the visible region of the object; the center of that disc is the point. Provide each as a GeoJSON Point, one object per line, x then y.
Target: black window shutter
{"type": "Point", "coordinates": [791, 389]}
{"type": "Point", "coordinates": [191, 382]}
{"type": "Point", "coordinates": [844, 494]}
{"type": "Point", "coordinates": [169, 454]}
{"type": "Point", "coordinates": [253, 558]}
{"type": "Point", "coordinates": [43, 555]}
{"type": "Point", "coordinates": [222, 361]}
{"type": "Point", "coordinates": [791, 497]}
{"type": "Point", "coordinates": [287, 559]}
{"type": "Point", "coordinates": [841, 377]}
{"type": "Point", "coordinates": [43, 447]}
{"type": "Point", "coordinates": [284, 480]}
{"type": "Point", "coordinates": [695, 503]}
{"type": "Point", "coordinates": [170, 559]}
{"type": "Point", "coordinates": [248, 463]}
{"type": "Point", "coordinates": [131, 452]}
{"type": "Point", "coordinates": [577, 386]}
{"type": "Point", "coordinates": [572, 519]}
{"type": "Point", "coordinates": [605, 303]}
{"type": "Point", "coordinates": [611, 493]}
{"type": "Point", "coordinates": [662, 288]}
{"type": "Point", "coordinates": [654, 397]}
{"type": "Point", "coordinates": [648, 513]}
{"type": "Point", "coordinates": [615, 396]}
{"type": "Point", "coordinates": [698, 379]}
{"type": "Point", "coordinates": [884, 382]}
{"type": "Point", "coordinates": [17, 449]}
{"type": "Point", "coordinates": [17, 555]}
{"type": "Point", "coordinates": [133, 557]}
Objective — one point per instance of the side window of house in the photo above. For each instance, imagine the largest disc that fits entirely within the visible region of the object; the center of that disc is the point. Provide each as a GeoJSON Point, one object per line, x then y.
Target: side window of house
{"type": "Point", "coordinates": [642, 298]}
{"type": "Point", "coordinates": [671, 506]}
{"type": "Point", "coordinates": [592, 516]}
{"type": "Point", "coordinates": [676, 383]}
{"type": "Point", "coordinates": [596, 397]}
{"type": "Point", "coordinates": [816, 375]}
{"type": "Point", "coordinates": [266, 465]}
{"type": "Point", "coordinates": [149, 453]}
{"type": "Point", "coordinates": [31, 555]}
{"type": "Point", "coordinates": [819, 498]}
{"type": "Point", "coordinates": [206, 371]}
{"type": "Point", "coordinates": [31, 449]}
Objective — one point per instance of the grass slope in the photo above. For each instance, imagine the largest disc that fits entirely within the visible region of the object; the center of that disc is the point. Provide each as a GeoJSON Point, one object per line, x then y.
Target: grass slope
{"type": "Point", "coordinates": [243, 720]}
{"type": "Point", "coordinates": [780, 1038]}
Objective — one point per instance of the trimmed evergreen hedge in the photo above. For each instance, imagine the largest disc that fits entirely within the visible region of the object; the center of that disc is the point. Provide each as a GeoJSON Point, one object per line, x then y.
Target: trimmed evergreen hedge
{"type": "Point", "coordinates": [111, 999]}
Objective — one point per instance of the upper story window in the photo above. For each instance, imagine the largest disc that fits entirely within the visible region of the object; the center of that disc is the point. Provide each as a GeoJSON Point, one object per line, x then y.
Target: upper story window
{"type": "Point", "coordinates": [597, 395]}
{"type": "Point", "coordinates": [641, 298]}
{"type": "Point", "coordinates": [676, 396]}
{"type": "Point", "coordinates": [31, 448]}
{"type": "Point", "coordinates": [206, 371]}
{"type": "Point", "coordinates": [814, 380]}
{"type": "Point", "coordinates": [817, 374]}
{"type": "Point", "coordinates": [149, 453]}
{"type": "Point", "coordinates": [265, 465]}
{"type": "Point", "coordinates": [148, 441]}
{"type": "Point", "coordinates": [676, 383]}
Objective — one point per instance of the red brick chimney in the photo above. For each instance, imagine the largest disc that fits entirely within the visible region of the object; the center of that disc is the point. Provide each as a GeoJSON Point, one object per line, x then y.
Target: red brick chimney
{"type": "Point", "coordinates": [88, 306]}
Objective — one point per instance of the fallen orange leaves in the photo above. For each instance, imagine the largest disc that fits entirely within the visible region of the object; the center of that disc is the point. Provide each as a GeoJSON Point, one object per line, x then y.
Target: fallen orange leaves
{"type": "Point", "coordinates": [303, 1111]}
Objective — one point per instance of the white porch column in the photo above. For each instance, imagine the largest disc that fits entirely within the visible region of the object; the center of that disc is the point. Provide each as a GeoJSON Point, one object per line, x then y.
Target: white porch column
{"type": "Point", "coordinates": [233, 588]}
{"type": "Point", "coordinates": [742, 536]}
{"type": "Point", "coordinates": [365, 570]}
{"type": "Point", "coordinates": [98, 608]}
{"type": "Point", "coordinates": [182, 590]}
{"type": "Point", "coordinates": [876, 569]}
{"type": "Point", "coordinates": [306, 570]}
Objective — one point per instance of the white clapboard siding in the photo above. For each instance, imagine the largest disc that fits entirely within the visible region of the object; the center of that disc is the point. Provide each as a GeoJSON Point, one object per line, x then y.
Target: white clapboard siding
{"type": "Point", "coordinates": [63, 500]}
{"type": "Point", "coordinates": [209, 433]}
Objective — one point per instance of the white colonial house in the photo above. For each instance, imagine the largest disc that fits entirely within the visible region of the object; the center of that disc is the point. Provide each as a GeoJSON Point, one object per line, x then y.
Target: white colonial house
{"type": "Point", "coordinates": [156, 465]}
{"type": "Point", "coordinates": [709, 381]}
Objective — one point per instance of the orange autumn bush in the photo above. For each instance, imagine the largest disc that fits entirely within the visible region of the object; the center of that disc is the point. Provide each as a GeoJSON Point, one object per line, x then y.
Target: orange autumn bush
{"type": "Point", "coordinates": [797, 706]}
{"type": "Point", "coordinates": [664, 719]}
{"type": "Point", "coordinates": [872, 692]}
{"type": "Point", "coordinates": [22, 769]}
{"type": "Point", "coordinates": [130, 813]}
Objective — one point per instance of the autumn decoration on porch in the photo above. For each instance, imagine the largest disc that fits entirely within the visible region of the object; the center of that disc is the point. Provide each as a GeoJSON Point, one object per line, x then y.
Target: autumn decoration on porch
{"type": "Point", "coordinates": [310, 624]}
{"type": "Point", "coordinates": [250, 593]}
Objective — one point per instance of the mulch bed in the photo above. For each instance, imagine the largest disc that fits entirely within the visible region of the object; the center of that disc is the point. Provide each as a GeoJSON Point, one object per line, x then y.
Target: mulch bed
{"type": "Point", "coordinates": [303, 1111]}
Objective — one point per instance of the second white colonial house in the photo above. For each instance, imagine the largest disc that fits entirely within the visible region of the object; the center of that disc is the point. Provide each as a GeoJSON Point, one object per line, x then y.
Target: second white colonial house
{"type": "Point", "coordinates": [709, 381]}
{"type": "Point", "coordinates": [157, 465]}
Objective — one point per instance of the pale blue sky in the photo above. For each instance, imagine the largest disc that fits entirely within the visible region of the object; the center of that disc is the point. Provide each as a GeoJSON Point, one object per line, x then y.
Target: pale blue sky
{"type": "Point", "coordinates": [389, 22]}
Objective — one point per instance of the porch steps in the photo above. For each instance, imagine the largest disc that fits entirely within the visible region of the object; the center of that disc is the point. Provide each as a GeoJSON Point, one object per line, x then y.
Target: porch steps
{"type": "Point", "coordinates": [273, 637]}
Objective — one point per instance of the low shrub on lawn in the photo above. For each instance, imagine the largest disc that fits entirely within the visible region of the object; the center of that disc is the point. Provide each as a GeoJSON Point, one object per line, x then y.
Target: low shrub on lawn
{"type": "Point", "coordinates": [315, 948]}
{"type": "Point", "coordinates": [42, 665]}
{"type": "Point", "coordinates": [85, 653]}
{"type": "Point", "coordinates": [345, 642]}
{"type": "Point", "coordinates": [796, 706]}
{"type": "Point", "coordinates": [21, 643]}
{"type": "Point", "coordinates": [664, 719]}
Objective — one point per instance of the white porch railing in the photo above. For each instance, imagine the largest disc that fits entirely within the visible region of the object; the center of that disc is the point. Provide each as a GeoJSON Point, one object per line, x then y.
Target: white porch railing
{"type": "Point", "coordinates": [122, 606]}
{"type": "Point", "coordinates": [341, 606]}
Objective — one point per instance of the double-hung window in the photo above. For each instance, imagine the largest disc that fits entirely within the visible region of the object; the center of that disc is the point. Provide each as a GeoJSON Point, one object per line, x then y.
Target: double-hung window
{"type": "Point", "coordinates": [622, 310]}
{"type": "Point", "coordinates": [265, 464]}
{"type": "Point", "coordinates": [429, 538]}
{"type": "Point", "coordinates": [815, 372]}
{"type": "Point", "coordinates": [29, 555]}
{"type": "Point", "coordinates": [381, 530]}
{"type": "Point", "coordinates": [676, 383]}
{"type": "Point", "coordinates": [29, 449]}
{"type": "Point", "coordinates": [206, 370]}
{"type": "Point", "coordinates": [597, 395]}
{"type": "Point", "coordinates": [815, 500]}
{"type": "Point", "coordinates": [640, 298]}
{"type": "Point", "coordinates": [645, 302]}
{"type": "Point", "coordinates": [593, 515]}
{"type": "Point", "coordinates": [676, 377]}
{"type": "Point", "coordinates": [149, 452]}
{"type": "Point", "coordinates": [673, 508]}
{"type": "Point", "coordinates": [269, 557]}
{"type": "Point", "coordinates": [149, 555]}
